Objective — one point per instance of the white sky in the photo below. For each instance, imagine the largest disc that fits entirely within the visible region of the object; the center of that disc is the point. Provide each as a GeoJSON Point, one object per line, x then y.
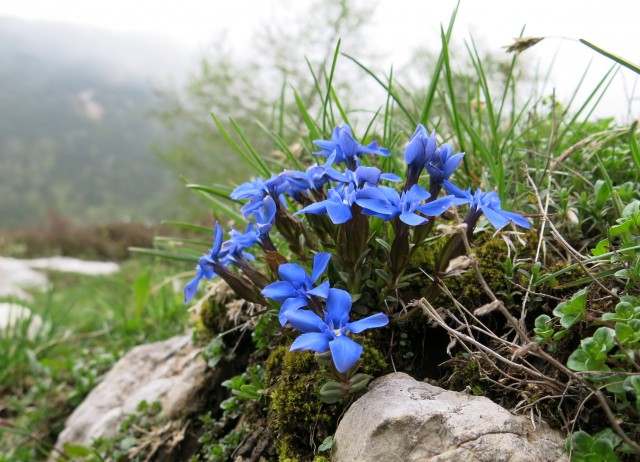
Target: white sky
{"type": "Point", "coordinates": [398, 25]}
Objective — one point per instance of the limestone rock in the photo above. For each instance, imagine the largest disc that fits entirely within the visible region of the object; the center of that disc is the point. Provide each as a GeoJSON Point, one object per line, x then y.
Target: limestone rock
{"type": "Point", "coordinates": [401, 419]}
{"type": "Point", "coordinates": [170, 372]}
{"type": "Point", "coordinates": [14, 318]}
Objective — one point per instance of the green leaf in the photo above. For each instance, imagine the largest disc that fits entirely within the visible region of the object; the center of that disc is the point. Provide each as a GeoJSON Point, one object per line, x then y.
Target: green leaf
{"type": "Point", "coordinates": [332, 392]}
{"type": "Point", "coordinates": [326, 444]}
{"type": "Point", "coordinates": [601, 248]}
{"type": "Point", "coordinates": [543, 328]}
{"type": "Point", "coordinates": [142, 290]}
{"type": "Point", "coordinates": [572, 310]}
{"type": "Point", "coordinates": [617, 59]}
{"type": "Point", "coordinates": [628, 333]}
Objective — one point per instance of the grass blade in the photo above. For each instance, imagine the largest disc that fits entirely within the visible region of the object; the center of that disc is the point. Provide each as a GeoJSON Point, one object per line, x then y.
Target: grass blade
{"type": "Point", "coordinates": [617, 59]}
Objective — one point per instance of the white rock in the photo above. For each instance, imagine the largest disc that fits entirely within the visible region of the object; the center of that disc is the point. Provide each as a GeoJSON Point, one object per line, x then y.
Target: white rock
{"type": "Point", "coordinates": [13, 318]}
{"type": "Point", "coordinates": [171, 372]}
{"type": "Point", "coordinates": [401, 419]}
{"type": "Point", "coordinates": [73, 265]}
{"type": "Point", "coordinates": [15, 274]}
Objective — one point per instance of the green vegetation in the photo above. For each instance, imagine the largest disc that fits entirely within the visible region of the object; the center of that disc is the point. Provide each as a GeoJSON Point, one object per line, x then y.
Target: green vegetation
{"type": "Point", "coordinates": [545, 322]}
{"type": "Point", "coordinates": [89, 322]}
{"type": "Point", "coordinates": [76, 133]}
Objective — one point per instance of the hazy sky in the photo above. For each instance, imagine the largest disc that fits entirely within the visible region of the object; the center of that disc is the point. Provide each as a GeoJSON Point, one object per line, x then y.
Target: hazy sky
{"type": "Point", "coordinates": [398, 26]}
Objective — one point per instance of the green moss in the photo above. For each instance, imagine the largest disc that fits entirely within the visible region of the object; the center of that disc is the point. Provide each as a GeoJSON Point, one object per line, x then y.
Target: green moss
{"type": "Point", "coordinates": [297, 418]}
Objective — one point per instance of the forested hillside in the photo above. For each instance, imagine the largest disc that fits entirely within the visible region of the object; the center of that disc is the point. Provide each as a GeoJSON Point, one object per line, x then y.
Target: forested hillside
{"type": "Point", "coordinates": [76, 134]}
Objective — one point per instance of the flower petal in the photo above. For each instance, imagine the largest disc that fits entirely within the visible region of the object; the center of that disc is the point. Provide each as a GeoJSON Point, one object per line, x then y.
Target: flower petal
{"type": "Point", "coordinates": [412, 219]}
{"type": "Point", "coordinates": [314, 341]}
{"type": "Point", "coordinates": [370, 322]}
{"type": "Point", "coordinates": [192, 286]}
{"type": "Point", "coordinates": [292, 272]}
{"type": "Point", "coordinates": [290, 305]}
{"type": "Point", "coordinates": [516, 218]}
{"type": "Point", "coordinates": [338, 306]}
{"type": "Point", "coordinates": [338, 212]}
{"type": "Point", "coordinates": [321, 291]}
{"type": "Point", "coordinates": [217, 240]}
{"type": "Point", "coordinates": [345, 353]}
{"type": "Point", "coordinates": [279, 291]}
{"type": "Point", "coordinates": [320, 262]}
{"type": "Point", "coordinates": [496, 219]}
{"type": "Point", "coordinates": [305, 321]}
{"type": "Point", "coordinates": [317, 208]}
{"type": "Point", "coordinates": [437, 207]}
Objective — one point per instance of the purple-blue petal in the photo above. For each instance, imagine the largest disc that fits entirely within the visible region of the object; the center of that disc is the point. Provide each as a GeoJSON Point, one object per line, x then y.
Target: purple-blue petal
{"type": "Point", "coordinates": [390, 177]}
{"type": "Point", "coordinates": [338, 306]}
{"type": "Point", "coordinates": [321, 291]}
{"type": "Point", "coordinates": [192, 286]}
{"type": "Point", "coordinates": [290, 305]}
{"type": "Point", "coordinates": [338, 212]}
{"type": "Point", "coordinates": [314, 341]}
{"type": "Point", "coordinates": [279, 291]}
{"type": "Point", "coordinates": [305, 321]}
{"type": "Point", "coordinates": [516, 218]}
{"type": "Point", "coordinates": [292, 272]}
{"type": "Point", "coordinates": [451, 164]}
{"type": "Point", "coordinates": [412, 219]}
{"type": "Point", "coordinates": [496, 219]}
{"type": "Point", "coordinates": [437, 207]}
{"type": "Point", "coordinates": [320, 262]}
{"type": "Point", "coordinates": [345, 353]}
{"type": "Point", "coordinates": [317, 208]}
{"type": "Point", "coordinates": [370, 322]}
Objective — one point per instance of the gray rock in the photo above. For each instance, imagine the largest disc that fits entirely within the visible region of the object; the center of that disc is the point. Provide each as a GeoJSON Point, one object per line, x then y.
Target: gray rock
{"type": "Point", "coordinates": [170, 372]}
{"type": "Point", "coordinates": [401, 419]}
{"type": "Point", "coordinates": [16, 319]}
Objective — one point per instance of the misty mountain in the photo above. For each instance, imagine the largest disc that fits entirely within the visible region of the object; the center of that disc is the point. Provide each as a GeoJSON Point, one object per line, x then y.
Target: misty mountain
{"type": "Point", "coordinates": [76, 130]}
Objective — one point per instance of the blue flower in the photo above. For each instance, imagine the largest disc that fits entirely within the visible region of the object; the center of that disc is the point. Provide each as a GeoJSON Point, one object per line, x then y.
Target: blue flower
{"type": "Point", "coordinates": [297, 288]}
{"type": "Point", "coordinates": [258, 189]}
{"type": "Point", "coordinates": [332, 333]}
{"type": "Point", "coordinates": [419, 151]}
{"type": "Point", "coordinates": [487, 203]}
{"type": "Point", "coordinates": [314, 178]}
{"type": "Point", "coordinates": [208, 264]}
{"type": "Point", "coordinates": [442, 164]}
{"type": "Point", "coordinates": [346, 148]}
{"type": "Point", "coordinates": [337, 205]}
{"type": "Point", "coordinates": [387, 203]}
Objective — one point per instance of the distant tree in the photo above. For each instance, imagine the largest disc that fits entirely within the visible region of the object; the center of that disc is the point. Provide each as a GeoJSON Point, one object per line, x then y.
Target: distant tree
{"type": "Point", "coordinates": [249, 87]}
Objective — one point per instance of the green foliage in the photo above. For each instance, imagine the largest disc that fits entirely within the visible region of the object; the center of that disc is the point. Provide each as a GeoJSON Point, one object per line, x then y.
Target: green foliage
{"type": "Point", "coordinates": [573, 310]}
{"type": "Point", "coordinates": [89, 323]}
{"type": "Point", "coordinates": [138, 435]}
{"type": "Point", "coordinates": [74, 138]}
{"type": "Point", "coordinates": [598, 448]}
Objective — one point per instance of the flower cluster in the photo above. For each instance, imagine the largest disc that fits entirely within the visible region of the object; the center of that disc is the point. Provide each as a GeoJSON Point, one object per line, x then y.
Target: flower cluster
{"type": "Point", "coordinates": [339, 207]}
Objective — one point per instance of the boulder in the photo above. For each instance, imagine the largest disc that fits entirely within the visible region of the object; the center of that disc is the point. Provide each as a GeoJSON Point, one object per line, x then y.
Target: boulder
{"type": "Point", "coordinates": [17, 320]}
{"type": "Point", "coordinates": [401, 419]}
{"type": "Point", "coordinates": [170, 372]}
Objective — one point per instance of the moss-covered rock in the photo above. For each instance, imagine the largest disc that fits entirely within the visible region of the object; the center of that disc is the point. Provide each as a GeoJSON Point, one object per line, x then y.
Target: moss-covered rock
{"type": "Point", "coordinates": [297, 418]}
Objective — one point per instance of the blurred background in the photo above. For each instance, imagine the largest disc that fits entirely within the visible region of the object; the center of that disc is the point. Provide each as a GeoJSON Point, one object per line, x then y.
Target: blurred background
{"type": "Point", "coordinates": [105, 106]}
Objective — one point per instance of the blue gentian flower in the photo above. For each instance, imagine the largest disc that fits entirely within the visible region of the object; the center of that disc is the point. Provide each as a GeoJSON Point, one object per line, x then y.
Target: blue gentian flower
{"type": "Point", "coordinates": [418, 153]}
{"type": "Point", "coordinates": [258, 189]}
{"type": "Point", "coordinates": [368, 176]}
{"type": "Point", "coordinates": [208, 264]}
{"type": "Point", "coordinates": [441, 165]}
{"type": "Point", "coordinates": [337, 205]}
{"type": "Point", "coordinates": [346, 148]}
{"type": "Point", "coordinates": [297, 288]}
{"type": "Point", "coordinates": [333, 332]}
{"type": "Point", "coordinates": [314, 178]}
{"type": "Point", "coordinates": [387, 203]}
{"type": "Point", "coordinates": [487, 203]}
